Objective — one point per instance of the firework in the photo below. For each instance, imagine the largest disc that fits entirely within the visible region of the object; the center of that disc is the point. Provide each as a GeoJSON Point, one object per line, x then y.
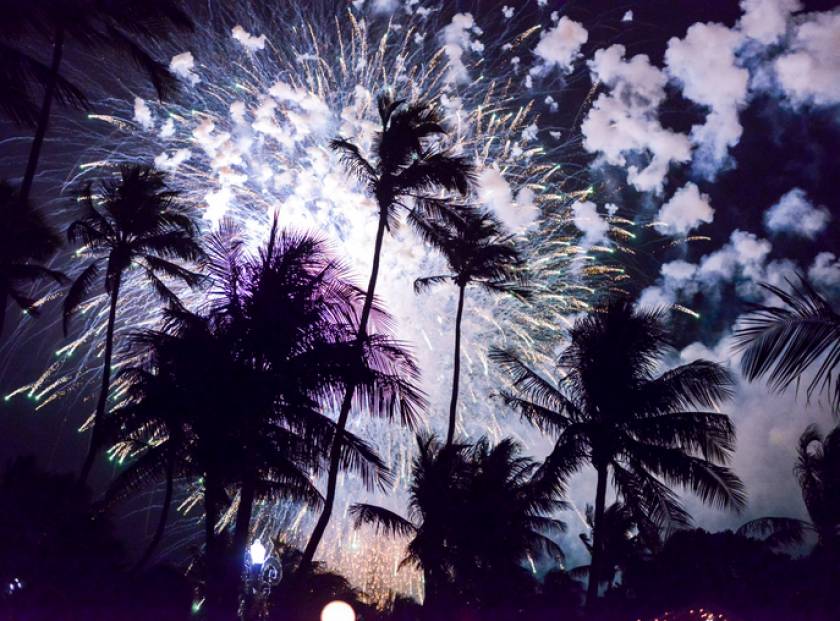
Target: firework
{"type": "Point", "coordinates": [247, 138]}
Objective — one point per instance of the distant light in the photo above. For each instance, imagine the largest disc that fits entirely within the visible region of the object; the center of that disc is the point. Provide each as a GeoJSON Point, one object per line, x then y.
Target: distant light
{"type": "Point", "coordinates": [257, 553]}
{"type": "Point", "coordinates": [338, 611]}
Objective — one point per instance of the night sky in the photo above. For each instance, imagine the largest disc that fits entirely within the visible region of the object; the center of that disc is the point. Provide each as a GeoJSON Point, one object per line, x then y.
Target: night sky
{"type": "Point", "coordinates": [767, 199]}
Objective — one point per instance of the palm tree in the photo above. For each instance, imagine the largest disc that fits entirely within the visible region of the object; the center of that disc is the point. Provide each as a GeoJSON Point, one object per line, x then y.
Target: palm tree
{"type": "Point", "coordinates": [476, 251]}
{"type": "Point", "coordinates": [818, 471]}
{"type": "Point", "coordinates": [507, 518]}
{"type": "Point", "coordinates": [438, 478]}
{"type": "Point", "coordinates": [625, 541]}
{"type": "Point", "coordinates": [609, 408]}
{"type": "Point", "coordinates": [92, 24]}
{"type": "Point", "coordinates": [406, 170]}
{"type": "Point", "coordinates": [278, 341]}
{"type": "Point", "coordinates": [461, 499]}
{"type": "Point", "coordinates": [294, 311]}
{"type": "Point", "coordinates": [782, 341]}
{"type": "Point", "coordinates": [21, 74]}
{"type": "Point", "coordinates": [26, 241]}
{"type": "Point", "coordinates": [133, 221]}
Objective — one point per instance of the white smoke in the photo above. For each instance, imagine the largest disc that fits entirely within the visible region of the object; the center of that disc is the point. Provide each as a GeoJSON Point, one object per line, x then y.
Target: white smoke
{"type": "Point", "coordinates": [808, 72]}
{"type": "Point", "coordinates": [796, 215]}
{"type": "Point", "coordinates": [560, 46]}
{"type": "Point", "coordinates": [766, 20]}
{"type": "Point", "coordinates": [825, 271]}
{"type": "Point", "coordinates": [250, 42]}
{"type": "Point", "coordinates": [182, 65]}
{"type": "Point", "coordinates": [458, 38]}
{"type": "Point", "coordinates": [170, 163]}
{"type": "Point", "coordinates": [624, 122]}
{"type": "Point", "coordinates": [593, 225]}
{"type": "Point", "coordinates": [686, 210]}
{"type": "Point", "coordinates": [143, 114]}
{"type": "Point", "coordinates": [495, 192]}
{"type": "Point", "coordinates": [704, 64]}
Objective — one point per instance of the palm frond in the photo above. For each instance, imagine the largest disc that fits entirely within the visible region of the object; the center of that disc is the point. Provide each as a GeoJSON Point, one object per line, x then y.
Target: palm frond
{"type": "Point", "coordinates": [79, 291]}
{"type": "Point", "coordinates": [783, 342]}
{"type": "Point", "coordinates": [776, 531]}
{"type": "Point", "coordinates": [422, 284]}
{"type": "Point", "coordinates": [532, 386]}
{"type": "Point", "coordinates": [382, 519]}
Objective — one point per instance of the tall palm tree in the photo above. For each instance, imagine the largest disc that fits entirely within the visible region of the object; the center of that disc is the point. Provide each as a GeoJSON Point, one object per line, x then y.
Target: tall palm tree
{"type": "Point", "coordinates": [609, 408]}
{"type": "Point", "coordinates": [475, 514]}
{"type": "Point", "coordinates": [406, 171]}
{"type": "Point", "coordinates": [477, 251]}
{"type": "Point", "coordinates": [293, 309]}
{"type": "Point", "coordinates": [117, 25]}
{"type": "Point", "coordinates": [132, 221]}
{"type": "Point", "coordinates": [26, 241]}
{"type": "Point", "coordinates": [21, 74]}
{"type": "Point", "coordinates": [781, 342]}
{"type": "Point", "coordinates": [278, 342]}
{"type": "Point", "coordinates": [818, 471]}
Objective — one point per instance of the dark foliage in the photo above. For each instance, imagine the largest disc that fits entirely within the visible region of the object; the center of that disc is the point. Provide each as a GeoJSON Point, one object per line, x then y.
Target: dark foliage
{"type": "Point", "coordinates": [609, 408]}
{"type": "Point", "coordinates": [134, 220]}
{"type": "Point", "coordinates": [27, 242]}
{"type": "Point", "coordinates": [782, 342]}
{"type": "Point", "coordinates": [60, 559]}
{"type": "Point", "coordinates": [462, 499]}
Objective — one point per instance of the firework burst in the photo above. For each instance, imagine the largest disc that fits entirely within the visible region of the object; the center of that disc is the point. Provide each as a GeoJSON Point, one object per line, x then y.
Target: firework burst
{"type": "Point", "coordinates": [248, 138]}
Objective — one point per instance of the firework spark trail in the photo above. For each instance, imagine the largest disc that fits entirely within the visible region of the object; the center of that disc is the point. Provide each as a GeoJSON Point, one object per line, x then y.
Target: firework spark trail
{"type": "Point", "coordinates": [248, 137]}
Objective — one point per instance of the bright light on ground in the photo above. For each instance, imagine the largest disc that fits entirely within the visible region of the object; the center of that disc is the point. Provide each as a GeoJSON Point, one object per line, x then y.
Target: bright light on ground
{"type": "Point", "coordinates": [338, 611]}
{"type": "Point", "coordinates": [257, 553]}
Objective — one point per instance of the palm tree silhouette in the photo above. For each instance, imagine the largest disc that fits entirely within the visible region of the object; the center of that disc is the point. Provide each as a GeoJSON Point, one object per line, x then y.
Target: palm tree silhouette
{"type": "Point", "coordinates": [21, 73]}
{"type": "Point", "coordinates": [818, 471]}
{"type": "Point", "coordinates": [277, 342]}
{"type": "Point", "coordinates": [611, 410]}
{"type": "Point", "coordinates": [476, 513]}
{"type": "Point", "coordinates": [135, 222]}
{"type": "Point", "coordinates": [477, 252]}
{"type": "Point", "coordinates": [782, 341]}
{"type": "Point", "coordinates": [116, 25]}
{"type": "Point", "coordinates": [627, 538]}
{"type": "Point", "coordinates": [26, 241]}
{"type": "Point", "coordinates": [406, 169]}
{"type": "Point", "coordinates": [506, 520]}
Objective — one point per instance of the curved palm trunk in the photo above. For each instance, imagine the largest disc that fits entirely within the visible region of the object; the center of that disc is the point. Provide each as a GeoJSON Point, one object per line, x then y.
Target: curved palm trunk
{"type": "Point", "coordinates": [164, 515]}
{"type": "Point", "coordinates": [433, 594]}
{"type": "Point", "coordinates": [456, 368]}
{"type": "Point", "coordinates": [335, 449]}
{"type": "Point", "coordinates": [43, 117]}
{"type": "Point", "coordinates": [240, 544]}
{"type": "Point", "coordinates": [597, 538]}
{"type": "Point", "coordinates": [95, 440]}
{"type": "Point", "coordinates": [214, 579]}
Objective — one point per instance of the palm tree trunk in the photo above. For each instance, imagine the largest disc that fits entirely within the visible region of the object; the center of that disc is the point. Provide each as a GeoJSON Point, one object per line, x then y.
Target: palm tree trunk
{"type": "Point", "coordinates": [243, 520]}
{"type": "Point", "coordinates": [43, 117]}
{"type": "Point", "coordinates": [456, 367]}
{"type": "Point", "coordinates": [164, 515]}
{"type": "Point", "coordinates": [215, 566]}
{"type": "Point", "coordinates": [240, 545]}
{"type": "Point", "coordinates": [335, 449]}
{"type": "Point", "coordinates": [597, 539]}
{"type": "Point", "coordinates": [95, 440]}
